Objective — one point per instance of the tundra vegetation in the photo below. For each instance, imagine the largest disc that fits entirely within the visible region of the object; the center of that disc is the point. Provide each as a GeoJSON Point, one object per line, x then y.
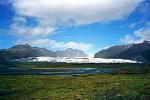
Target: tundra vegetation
{"type": "Point", "coordinates": [127, 82]}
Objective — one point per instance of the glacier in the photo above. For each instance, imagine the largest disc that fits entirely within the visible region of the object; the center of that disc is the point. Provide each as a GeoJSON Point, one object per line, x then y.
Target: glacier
{"type": "Point", "coordinates": [74, 60]}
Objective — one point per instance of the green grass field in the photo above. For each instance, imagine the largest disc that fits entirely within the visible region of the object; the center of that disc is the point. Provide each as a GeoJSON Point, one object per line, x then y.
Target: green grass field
{"type": "Point", "coordinates": [127, 83]}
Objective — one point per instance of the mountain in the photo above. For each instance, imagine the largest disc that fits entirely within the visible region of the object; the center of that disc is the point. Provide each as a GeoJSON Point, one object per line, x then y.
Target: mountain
{"type": "Point", "coordinates": [139, 52]}
{"type": "Point", "coordinates": [25, 51]}
{"type": "Point", "coordinates": [70, 53]}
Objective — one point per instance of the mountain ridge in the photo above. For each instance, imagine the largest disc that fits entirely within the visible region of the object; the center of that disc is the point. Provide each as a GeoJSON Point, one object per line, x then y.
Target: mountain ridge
{"type": "Point", "coordinates": [139, 52]}
{"type": "Point", "coordinates": [26, 50]}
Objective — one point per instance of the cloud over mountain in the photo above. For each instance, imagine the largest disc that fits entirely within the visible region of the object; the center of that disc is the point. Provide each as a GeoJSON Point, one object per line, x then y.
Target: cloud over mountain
{"type": "Point", "coordinates": [142, 34]}
{"type": "Point", "coordinates": [56, 45]}
{"type": "Point", "coordinates": [68, 23]}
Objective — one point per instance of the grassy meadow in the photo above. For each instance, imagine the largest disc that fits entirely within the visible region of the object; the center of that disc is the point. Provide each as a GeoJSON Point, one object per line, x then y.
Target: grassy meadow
{"type": "Point", "coordinates": [127, 82]}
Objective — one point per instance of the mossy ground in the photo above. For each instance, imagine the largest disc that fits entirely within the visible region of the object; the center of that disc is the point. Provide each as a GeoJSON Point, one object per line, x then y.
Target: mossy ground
{"type": "Point", "coordinates": [125, 84]}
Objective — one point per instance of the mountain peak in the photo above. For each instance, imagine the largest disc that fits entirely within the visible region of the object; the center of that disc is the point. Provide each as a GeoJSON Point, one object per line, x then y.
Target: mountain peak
{"type": "Point", "coordinates": [69, 49]}
{"type": "Point", "coordinates": [21, 46]}
{"type": "Point", "coordinates": [69, 52]}
{"type": "Point", "coordinates": [25, 51]}
{"type": "Point", "coordinates": [146, 42]}
{"type": "Point", "coordinates": [139, 52]}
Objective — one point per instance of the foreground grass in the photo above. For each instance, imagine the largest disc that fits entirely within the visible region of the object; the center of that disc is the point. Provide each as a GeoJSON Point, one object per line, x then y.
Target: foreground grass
{"type": "Point", "coordinates": [85, 87]}
{"type": "Point", "coordinates": [127, 82]}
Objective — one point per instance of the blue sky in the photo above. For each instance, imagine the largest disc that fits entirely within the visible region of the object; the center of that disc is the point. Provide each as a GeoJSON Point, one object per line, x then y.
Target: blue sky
{"type": "Point", "coordinates": [89, 25]}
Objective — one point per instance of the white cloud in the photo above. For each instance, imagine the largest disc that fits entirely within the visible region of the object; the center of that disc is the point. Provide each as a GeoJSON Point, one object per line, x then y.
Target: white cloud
{"type": "Point", "coordinates": [56, 45]}
{"type": "Point", "coordinates": [133, 25]}
{"type": "Point", "coordinates": [74, 12]}
{"type": "Point", "coordinates": [19, 28]}
{"type": "Point", "coordinates": [19, 20]}
{"type": "Point", "coordinates": [50, 14]}
{"type": "Point", "coordinates": [142, 34]}
{"type": "Point", "coordinates": [128, 39]}
{"type": "Point", "coordinates": [22, 30]}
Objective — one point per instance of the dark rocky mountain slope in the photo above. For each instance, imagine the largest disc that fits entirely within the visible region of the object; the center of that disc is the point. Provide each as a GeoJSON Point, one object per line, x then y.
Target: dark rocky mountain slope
{"type": "Point", "coordinates": [139, 52]}
{"type": "Point", "coordinates": [24, 51]}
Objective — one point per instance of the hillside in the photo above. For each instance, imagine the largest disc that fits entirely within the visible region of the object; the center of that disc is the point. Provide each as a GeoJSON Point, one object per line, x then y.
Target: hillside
{"type": "Point", "coordinates": [139, 52]}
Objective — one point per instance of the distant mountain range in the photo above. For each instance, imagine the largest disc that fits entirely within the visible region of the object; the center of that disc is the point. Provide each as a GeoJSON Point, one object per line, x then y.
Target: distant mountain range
{"type": "Point", "coordinates": [70, 53]}
{"type": "Point", "coordinates": [139, 52]}
{"type": "Point", "coordinates": [25, 51]}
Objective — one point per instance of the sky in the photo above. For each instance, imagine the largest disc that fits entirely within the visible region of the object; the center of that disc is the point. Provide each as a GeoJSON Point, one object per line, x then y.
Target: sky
{"type": "Point", "coordinates": [88, 25]}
